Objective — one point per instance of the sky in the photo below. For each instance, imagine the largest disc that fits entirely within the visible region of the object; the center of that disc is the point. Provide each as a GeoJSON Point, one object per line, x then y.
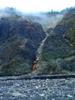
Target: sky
{"type": "Point", "coordinates": [37, 5]}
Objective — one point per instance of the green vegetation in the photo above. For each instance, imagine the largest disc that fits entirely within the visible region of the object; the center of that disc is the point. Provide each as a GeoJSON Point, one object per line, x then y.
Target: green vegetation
{"type": "Point", "coordinates": [71, 35]}
{"type": "Point", "coordinates": [58, 54]}
{"type": "Point", "coordinates": [15, 67]}
{"type": "Point", "coordinates": [19, 40]}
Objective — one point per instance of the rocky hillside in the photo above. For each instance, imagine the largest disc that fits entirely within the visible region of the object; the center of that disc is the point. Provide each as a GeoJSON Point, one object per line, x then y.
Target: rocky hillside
{"type": "Point", "coordinates": [58, 54]}
{"type": "Point", "coordinates": [19, 40]}
{"type": "Point", "coordinates": [22, 36]}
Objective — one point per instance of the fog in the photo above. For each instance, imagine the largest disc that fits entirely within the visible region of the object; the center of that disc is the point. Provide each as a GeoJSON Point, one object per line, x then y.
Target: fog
{"type": "Point", "coordinates": [47, 19]}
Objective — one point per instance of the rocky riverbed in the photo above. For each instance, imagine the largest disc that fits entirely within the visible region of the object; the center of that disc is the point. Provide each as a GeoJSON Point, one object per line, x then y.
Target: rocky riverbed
{"type": "Point", "coordinates": [49, 89]}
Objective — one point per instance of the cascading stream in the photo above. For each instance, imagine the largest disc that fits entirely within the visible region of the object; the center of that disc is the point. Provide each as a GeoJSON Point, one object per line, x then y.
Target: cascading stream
{"type": "Point", "coordinates": [39, 52]}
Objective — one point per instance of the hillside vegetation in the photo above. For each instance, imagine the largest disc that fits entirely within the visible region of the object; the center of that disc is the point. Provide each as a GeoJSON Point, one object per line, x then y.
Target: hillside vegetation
{"type": "Point", "coordinates": [58, 54]}
{"type": "Point", "coordinates": [19, 40]}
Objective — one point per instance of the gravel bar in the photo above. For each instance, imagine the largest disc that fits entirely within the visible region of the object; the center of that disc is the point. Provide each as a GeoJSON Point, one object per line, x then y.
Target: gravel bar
{"type": "Point", "coordinates": [48, 89]}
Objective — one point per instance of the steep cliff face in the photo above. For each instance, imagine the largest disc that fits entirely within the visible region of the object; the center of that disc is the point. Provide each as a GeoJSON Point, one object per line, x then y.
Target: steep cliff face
{"type": "Point", "coordinates": [19, 40]}
{"type": "Point", "coordinates": [58, 54]}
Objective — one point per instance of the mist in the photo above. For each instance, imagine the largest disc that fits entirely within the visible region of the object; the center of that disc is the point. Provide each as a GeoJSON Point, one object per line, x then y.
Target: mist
{"type": "Point", "coordinates": [47, 19]}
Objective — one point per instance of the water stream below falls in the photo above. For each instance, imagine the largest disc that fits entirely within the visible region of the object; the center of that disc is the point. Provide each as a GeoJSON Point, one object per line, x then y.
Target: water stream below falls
{"type": "Point", "coordinates": [39, 52]}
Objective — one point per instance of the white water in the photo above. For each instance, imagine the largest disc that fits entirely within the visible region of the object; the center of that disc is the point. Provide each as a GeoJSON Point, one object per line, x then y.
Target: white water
{"type": "Point", "coordinates": [39, 51]}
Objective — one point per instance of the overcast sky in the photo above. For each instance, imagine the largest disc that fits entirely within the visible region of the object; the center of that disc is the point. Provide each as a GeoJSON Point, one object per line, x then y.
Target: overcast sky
{"type": "Point", "coordinates": [37, 5]}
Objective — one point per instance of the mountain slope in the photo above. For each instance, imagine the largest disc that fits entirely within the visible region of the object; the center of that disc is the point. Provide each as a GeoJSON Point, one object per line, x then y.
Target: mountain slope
{"type": "Point", "coordinates": [58, 54]}
{"type": "Point", "coordinates": [19, 40]}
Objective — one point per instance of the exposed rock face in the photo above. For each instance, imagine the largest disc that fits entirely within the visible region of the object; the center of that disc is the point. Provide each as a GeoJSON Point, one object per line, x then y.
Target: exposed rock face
{"type": "Point", "coordinates": [19, 40]}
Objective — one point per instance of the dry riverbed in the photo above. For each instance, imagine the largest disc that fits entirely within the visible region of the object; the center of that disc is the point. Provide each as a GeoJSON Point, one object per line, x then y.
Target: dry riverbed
{"type": "Point", "coordinates": [49, 89]}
